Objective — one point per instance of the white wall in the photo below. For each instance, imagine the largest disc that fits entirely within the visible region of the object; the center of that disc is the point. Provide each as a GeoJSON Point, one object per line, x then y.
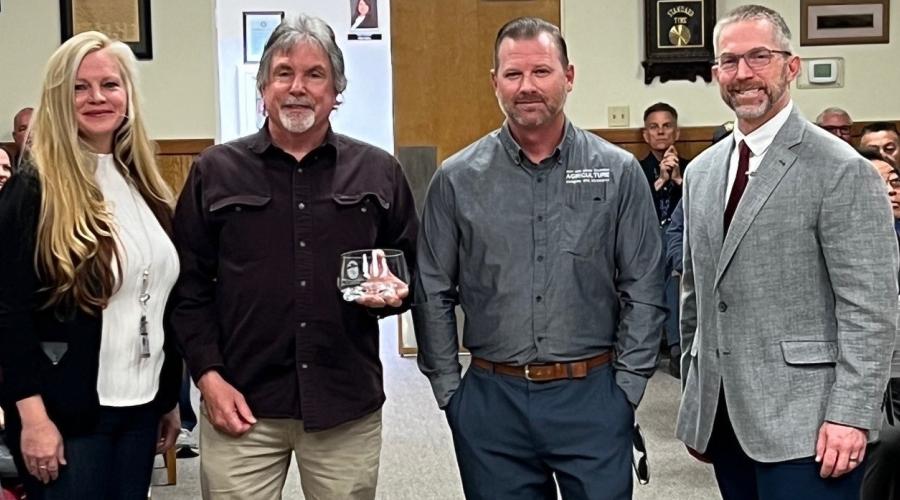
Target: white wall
{"type": "Point", "coordinates": [367, 109]}
{"type": "Point", "coordinates": [178, 85]}
{"type": "Point", "coordinates": [605, 40]}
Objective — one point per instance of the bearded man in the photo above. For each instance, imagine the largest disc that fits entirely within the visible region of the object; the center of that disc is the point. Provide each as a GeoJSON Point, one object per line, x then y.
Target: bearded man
{"type": "Point", "coordinates": [546, 235]}
{"type": "Point", "coordinates": [788, 314]}
{"type": "Point", "coordinates": [285, 366]}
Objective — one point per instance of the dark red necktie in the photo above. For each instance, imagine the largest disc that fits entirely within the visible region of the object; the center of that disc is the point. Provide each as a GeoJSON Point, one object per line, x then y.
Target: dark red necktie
{"type": "Point", "coordinates": [740, 183]}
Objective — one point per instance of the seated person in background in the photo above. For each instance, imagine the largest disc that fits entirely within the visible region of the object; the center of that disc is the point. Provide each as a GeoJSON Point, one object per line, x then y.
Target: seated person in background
{"type": "Point", "coordinates": [6, 169]}
{"type": "Point", "coordinates": [21, 121]}
{"type": "Point", "coordinates": [837, 122]}
{"type": "Point", "coordinates": [883, 456]}
{"type": "Point", "coordinates": [882, 137]}
{"type": "Point", "coordinates": [663, 168]}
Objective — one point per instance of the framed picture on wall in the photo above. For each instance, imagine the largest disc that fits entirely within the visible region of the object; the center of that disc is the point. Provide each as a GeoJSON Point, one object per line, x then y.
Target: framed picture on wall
{"type": "Point", "coordinates": [841, 22]}
{"type": "Point", "coordinates": [125, 20]}
{"type": "Point", "coordinates": [363, 14]}
{"type": "Point", "coordinates": [251, 111]}
{"type": "Point", "coordinates": [258, 27]}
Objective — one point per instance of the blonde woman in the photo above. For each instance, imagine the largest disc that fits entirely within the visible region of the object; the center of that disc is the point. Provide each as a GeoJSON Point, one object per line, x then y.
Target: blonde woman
{"type": "Point", "coordinates": [90, 374]}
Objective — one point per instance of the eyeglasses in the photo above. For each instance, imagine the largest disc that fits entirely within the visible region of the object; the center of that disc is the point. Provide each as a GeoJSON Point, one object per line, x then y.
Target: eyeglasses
{"type": "Point", "coordinates": [837, 129]}
{"type": "Point", "coordinates": [757, 58]}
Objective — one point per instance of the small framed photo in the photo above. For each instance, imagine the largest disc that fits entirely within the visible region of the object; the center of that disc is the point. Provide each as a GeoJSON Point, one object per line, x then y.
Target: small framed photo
{"type": "Point", "coordinates": [258, 26]}
{"type": "Point", "coordinates": [842, 22]}
{"type": "Point", "coordinates": [125, 20]}
{"type": "Point", "coordinates": [363, 14]}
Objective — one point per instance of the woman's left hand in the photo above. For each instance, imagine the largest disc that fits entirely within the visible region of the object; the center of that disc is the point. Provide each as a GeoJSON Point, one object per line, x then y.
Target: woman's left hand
{"type": "Point", "coordinates": [169, 427]}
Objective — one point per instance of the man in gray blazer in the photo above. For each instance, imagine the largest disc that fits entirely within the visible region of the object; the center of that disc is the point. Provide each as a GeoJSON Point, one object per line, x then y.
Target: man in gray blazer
{"type": "Point", "coordinates": [788, 315]}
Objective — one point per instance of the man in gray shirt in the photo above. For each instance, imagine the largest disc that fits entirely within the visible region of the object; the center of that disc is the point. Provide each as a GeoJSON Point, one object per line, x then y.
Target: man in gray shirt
{"type": "Point", "coordinates": [547, 237]}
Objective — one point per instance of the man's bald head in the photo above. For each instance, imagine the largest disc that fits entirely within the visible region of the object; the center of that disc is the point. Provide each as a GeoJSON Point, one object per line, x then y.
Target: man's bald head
{"type": "Point", "coordinates": [20, 127]}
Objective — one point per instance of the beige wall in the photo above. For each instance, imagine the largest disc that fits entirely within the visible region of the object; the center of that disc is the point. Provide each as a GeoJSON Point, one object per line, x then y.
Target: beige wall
{"type": "Point", "coordinates": [606, 46]}
{"type": "Point", "coordinates": [178, 85]}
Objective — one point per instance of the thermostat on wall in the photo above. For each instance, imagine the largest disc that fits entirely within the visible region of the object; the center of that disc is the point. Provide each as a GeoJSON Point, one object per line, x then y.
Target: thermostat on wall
{"type": "Point", "coordinates": [822, 71]}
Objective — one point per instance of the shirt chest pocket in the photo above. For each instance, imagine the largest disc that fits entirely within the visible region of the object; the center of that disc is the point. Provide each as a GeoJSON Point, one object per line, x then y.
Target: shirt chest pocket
{"type": "Point", "coordinates": [244, 226]}
{"type": "Point", "coordinates": [585, 225]}
{"type": "Point", "coordinates": [358, 218]}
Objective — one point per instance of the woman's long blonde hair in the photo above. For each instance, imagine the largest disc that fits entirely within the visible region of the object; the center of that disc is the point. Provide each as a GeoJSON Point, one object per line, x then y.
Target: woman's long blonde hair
{"type": "Point", "coordinates": [76, 245]}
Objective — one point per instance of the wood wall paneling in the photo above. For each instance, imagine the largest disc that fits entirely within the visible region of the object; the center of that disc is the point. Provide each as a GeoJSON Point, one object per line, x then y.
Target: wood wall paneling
{"type": "Point", "coordinates": [174, 157]}
{"type": "Point", "coordinates": [692, 140]}
{"type": "Point", "coordinates": [442, 56]}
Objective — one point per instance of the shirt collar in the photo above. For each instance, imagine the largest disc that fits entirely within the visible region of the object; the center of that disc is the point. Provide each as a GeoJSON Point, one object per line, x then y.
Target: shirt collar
{"type": "Point", "coordinates": [760, 139]}
{"type": "Point", "coordinates": [261, 141]}
{"type": "Point", "coordinates": [515, 151]}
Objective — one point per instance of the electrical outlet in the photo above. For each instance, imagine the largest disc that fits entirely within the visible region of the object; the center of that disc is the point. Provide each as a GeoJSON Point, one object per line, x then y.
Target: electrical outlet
{"type": "Point", "coordinates": [617, 116]}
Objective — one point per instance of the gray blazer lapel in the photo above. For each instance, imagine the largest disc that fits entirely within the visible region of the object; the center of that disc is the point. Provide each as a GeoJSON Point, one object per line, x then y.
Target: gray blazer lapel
{"type": "Point", "coordinates": [777, 162]}
{"type": "Point", "coordinates": [714, 197]}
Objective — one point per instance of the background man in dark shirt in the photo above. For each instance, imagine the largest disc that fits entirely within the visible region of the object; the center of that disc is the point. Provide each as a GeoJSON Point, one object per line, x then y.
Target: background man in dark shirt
{"type": "Point", "coordinates": [882, 137]}
{"type": "Point", "coordinates": [283, 363]}
{"type": "Point", "coordinates": [837, 122]}
{"type": "Point", "coordinates": [663, 168]}
{"type": "Point", "coordinates": [545, 235]}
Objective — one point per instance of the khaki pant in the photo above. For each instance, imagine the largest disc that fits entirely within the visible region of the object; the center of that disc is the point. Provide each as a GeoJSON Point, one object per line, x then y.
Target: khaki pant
{"type": "Point", "coordinates": [339, 463]}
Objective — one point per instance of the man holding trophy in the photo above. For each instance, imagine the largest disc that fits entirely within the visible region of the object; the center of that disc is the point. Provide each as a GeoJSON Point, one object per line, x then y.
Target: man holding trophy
{"type": "Point", "coordinates": [268, 227]}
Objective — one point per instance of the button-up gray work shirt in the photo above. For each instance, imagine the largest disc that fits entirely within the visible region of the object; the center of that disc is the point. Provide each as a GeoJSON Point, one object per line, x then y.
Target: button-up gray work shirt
{"type": "Point", "coordinates": [551, 262]}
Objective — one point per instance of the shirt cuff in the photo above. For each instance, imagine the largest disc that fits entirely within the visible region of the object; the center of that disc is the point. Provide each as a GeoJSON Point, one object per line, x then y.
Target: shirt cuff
{"type": "Point", "coordinates": [443, 387]}
{"type": "Point", "coordinates": [204, 362]}
{"type": "Point", "coordinates": [633, 385]}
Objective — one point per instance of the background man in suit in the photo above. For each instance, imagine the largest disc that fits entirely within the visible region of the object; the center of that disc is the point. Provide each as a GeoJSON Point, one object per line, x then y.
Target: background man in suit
{"type": "Point", "coordinates": [788, 315]}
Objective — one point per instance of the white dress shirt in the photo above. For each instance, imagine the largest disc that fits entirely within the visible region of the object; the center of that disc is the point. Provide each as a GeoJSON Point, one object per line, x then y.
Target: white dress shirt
{"type": "Point", "coordinates": [758, 141]}
{"type": "Point", "coordinates": [124, 377]}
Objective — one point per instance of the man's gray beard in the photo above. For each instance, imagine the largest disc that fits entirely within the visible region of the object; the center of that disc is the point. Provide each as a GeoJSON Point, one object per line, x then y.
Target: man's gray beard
{"type": "Point", "coordinates": [746, 113]}
{"type": "Point", "coordinates": [758, 111]}
{"type": "Point", "coordinates": [297, 124]}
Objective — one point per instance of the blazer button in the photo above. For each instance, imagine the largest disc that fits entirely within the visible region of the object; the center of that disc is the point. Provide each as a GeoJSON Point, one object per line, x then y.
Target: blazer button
{"type": "Point", "coordinates": [723, 307]}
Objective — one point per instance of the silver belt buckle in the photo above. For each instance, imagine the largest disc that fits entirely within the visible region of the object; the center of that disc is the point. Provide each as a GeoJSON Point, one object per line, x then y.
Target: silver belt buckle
{"type": "Point", "coordinates": [528, 373]}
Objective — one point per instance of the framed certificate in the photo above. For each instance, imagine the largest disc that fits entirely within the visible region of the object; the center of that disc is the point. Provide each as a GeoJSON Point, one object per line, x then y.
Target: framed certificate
{"type": "Point", "coordinates": [125, 20]}
{"type": "Point", "coordinates": [258, 27]}
{"type": "Point", "coordinates": [840, 22]}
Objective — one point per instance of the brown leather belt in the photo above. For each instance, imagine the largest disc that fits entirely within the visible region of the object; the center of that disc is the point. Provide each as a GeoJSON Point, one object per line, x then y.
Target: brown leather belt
{"type": "Point", "coordinates": [545, 372]}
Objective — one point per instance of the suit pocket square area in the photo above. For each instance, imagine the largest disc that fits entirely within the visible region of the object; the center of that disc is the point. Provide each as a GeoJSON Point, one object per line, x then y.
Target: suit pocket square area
{"type": "Point", "coordinates": [54, 351]}
{"type": "Point", "coordinates": [809, 352]}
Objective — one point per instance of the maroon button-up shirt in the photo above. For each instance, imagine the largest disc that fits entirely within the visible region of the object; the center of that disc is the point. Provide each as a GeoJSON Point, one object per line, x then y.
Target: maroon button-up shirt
{"type": "Point", "coordinates": [260, 236]}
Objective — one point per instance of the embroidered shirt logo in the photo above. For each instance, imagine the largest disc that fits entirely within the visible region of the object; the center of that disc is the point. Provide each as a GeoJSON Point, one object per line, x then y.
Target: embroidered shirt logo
{"type": "Point", "coordinates": [587, 176]}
